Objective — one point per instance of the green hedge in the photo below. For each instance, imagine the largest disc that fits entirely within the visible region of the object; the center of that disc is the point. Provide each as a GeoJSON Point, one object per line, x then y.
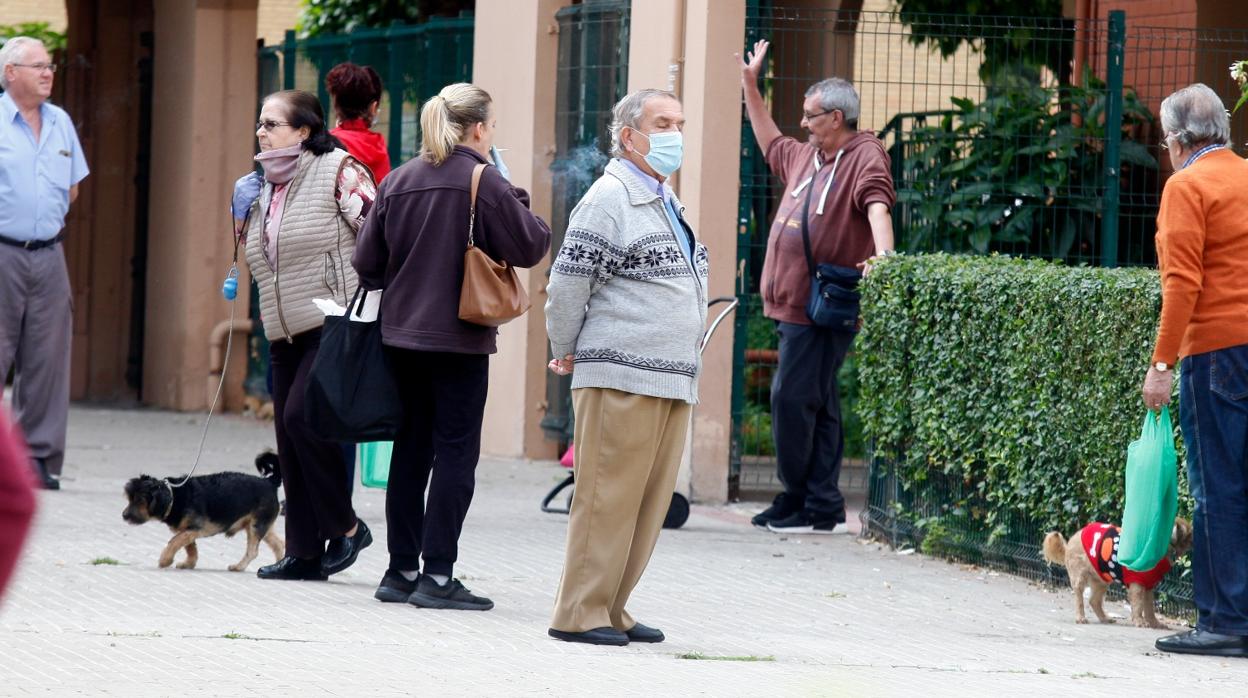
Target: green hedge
{"type": "Point", "coordinates": [1002, 393]}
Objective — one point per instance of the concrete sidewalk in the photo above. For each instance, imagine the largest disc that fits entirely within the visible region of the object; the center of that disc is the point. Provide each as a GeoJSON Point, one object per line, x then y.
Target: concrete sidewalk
{"type": "Point", "coordinates": [746, 612]}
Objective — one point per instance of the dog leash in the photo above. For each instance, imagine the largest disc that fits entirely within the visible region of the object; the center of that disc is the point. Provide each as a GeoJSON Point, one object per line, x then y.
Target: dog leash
{"type": "Point", "coordinates": [231, 276]}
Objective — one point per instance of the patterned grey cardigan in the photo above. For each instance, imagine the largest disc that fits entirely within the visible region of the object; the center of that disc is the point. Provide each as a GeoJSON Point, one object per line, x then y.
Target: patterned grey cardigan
{"type": "Point", "coordinates": [623, 299]}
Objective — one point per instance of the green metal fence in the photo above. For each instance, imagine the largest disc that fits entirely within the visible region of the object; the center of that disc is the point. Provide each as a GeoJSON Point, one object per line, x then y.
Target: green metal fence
{"type": "Point", "coordinates": [414, 62]}
{"type": "Point", "coordinates": [592, 77]}
{"type": "Point", "coordinates": [1027, 136]}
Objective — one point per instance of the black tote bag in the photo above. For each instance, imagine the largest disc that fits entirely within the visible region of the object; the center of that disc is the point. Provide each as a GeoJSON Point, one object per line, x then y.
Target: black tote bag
{"type": "Point", "coordinates": [351, 394]}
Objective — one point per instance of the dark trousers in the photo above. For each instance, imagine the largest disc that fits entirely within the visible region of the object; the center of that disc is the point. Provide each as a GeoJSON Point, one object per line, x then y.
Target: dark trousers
{"type": "Point", "coordinates": [318, 507]}
{"type": "Point", "coordinates": [806, 418]}
{"type": "Point", "coordinates": [36, 326]}
{"type": "Point", "coordinates": [1213, 413]}
{"type": "Point", "coordinates": [438, 447]}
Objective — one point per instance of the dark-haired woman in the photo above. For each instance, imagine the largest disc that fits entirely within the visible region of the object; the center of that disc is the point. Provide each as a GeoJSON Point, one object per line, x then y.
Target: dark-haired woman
{"type": "Point", "coordinates": [356, 91]}
{"type": "Point", "coordinates": [300, 235]}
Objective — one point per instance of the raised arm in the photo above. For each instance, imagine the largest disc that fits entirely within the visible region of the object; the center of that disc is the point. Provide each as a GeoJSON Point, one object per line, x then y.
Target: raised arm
{"type": "Point", "coordinates": [765, 129]}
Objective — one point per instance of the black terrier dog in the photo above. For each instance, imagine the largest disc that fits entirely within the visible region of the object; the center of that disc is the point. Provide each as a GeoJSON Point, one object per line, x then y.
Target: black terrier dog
{"type": "Point", "coordinates": [210, 504]}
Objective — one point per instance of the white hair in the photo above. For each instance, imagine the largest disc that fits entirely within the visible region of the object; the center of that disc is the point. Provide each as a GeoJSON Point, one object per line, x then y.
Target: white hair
{"type": "Point", "coordinates": [628, 112]}
{"type": "Point", "coordinates": [1196, 116]}
{"type": "Point", "coordinates": [13, 51]}
{"type": "Point", "coordinates": [835, 93]}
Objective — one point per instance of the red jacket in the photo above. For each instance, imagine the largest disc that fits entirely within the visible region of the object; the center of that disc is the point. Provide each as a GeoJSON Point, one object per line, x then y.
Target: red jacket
{"type": "Point", "coordinates": [364, 145]}
{"type": "Point", "coordinates": [17, 498]}
{"type": "Point", "coordinates": [1100, 543]}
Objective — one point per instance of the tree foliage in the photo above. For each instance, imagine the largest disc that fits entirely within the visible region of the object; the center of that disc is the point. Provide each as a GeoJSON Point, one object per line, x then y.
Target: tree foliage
{"type": "Point", "coordinates": [1012, 32]}
{"type": "Point", "coordinates": [1022, 170]}
{"type": "Point", "coordinates": [53, 40]}
{"type": "Point", "coordinates": [320, 17]}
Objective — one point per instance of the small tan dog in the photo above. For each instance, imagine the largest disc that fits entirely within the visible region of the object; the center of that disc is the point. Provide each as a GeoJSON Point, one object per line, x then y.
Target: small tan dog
{"type": "Point", "coordinates": [1099, 542]}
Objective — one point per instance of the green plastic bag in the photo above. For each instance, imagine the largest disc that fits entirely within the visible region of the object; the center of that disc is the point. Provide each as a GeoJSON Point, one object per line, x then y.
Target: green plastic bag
{"type": "Point", "coordinates": [1152, 494]}
{"type": "Point", "coordinates": [374, 460]}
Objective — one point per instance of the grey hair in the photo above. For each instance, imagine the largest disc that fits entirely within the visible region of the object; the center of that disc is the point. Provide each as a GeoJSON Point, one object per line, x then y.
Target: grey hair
{"type": "Point", "coordinates": [835, 93]}
{"type": "Point", "coordinates": [14, 51]}
{"type": "Point", "coordinates": [628, 111]}
{"type": "Point", "coordinates": [1197, 116]}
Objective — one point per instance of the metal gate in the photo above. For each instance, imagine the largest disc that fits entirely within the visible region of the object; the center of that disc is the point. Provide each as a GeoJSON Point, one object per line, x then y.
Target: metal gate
{"type": "Point", "coordinates": [414, 61]}
{"type": "Point", "coordinates": [593, 76]}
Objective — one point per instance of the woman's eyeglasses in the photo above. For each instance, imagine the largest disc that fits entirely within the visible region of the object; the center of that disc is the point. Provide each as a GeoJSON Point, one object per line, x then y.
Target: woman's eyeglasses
{"type": "Point", "coordinates": [269, 125]}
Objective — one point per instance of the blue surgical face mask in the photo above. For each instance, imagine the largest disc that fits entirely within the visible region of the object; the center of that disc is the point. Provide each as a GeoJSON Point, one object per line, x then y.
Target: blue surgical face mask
{"type": "Point", "coordinates": [666, 150]}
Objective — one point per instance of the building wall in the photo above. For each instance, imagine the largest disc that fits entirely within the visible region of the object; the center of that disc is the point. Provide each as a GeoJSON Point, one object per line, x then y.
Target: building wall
{"type": "Point", "coordinates": [21, 11]}
{"type": "Point", "coordinates": [893, 75]}
{"type": "Point", "coordinates": [274, 17]}
{"type": "Point", "coordinates": [515, 51]}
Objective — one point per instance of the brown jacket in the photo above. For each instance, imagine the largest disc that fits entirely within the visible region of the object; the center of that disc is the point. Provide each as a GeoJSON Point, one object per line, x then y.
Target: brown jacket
{"type": "Point", "coordinates": [840, 234]}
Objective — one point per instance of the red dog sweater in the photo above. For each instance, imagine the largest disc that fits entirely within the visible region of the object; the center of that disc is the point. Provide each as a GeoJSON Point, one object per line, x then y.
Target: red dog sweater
{"type": "Point", "coordinates": [1100, 543]}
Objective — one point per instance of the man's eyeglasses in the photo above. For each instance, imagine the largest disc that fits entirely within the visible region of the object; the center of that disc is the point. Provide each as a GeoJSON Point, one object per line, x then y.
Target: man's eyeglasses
{"type": "Point", "coordinates": [39, 67]}
{"type": "Point", "coordinates": [812, 117]}
{"type": "Point", "coordinates": [268, 126]}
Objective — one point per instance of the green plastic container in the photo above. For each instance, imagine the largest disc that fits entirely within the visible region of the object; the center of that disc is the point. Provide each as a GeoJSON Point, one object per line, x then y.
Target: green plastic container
{"type": "Point", "coordinates": [374, 460]}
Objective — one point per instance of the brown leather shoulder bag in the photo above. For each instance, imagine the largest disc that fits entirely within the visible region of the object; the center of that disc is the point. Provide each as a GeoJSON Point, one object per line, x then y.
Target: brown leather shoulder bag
{"type": "Point", "coordinates": [491, 294]}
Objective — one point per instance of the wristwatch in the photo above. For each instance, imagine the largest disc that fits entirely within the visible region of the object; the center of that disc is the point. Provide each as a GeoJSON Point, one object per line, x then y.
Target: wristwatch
{"type": "Point", "coordinates": [1161, 366]}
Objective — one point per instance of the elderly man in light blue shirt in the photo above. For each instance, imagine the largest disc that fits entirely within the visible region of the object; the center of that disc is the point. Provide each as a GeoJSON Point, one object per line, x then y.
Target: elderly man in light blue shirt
{"type": "Point", "coordinates": [41, 164]}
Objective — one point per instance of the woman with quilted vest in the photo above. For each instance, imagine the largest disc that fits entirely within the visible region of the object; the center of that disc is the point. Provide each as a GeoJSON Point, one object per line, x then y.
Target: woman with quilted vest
{"type": "Point", "coordinates": [298, 223]}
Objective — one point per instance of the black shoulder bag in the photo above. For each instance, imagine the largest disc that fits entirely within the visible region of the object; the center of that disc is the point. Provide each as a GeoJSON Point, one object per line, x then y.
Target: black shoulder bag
{"type": "Point", "coordinates": [833, 290]}
{"type": "Point", "coordinates": [351, 394]}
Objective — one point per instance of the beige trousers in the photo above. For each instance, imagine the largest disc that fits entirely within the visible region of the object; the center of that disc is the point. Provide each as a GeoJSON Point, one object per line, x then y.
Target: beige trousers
{"type": "Point", "coordinates": [628, 450]}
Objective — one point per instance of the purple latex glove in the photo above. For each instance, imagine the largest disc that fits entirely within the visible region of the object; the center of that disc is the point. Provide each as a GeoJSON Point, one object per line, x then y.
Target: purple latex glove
{"type": "Point", "coordinates": [246, 191]}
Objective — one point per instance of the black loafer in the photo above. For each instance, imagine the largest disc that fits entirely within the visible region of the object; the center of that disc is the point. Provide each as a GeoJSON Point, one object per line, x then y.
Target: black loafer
{"type": "Point", "coordinates": [597, 636]}
{"type": "Point", "coordinates": [644, 633]}
{"type": "Point", "coordinates": [1202, 642]}
{"type": "Point", "coordinates": [46, 480]}
{"type": "Point", "coordinates": [293, 568]}
{"type": "Point", "coordinates": [342, 552]}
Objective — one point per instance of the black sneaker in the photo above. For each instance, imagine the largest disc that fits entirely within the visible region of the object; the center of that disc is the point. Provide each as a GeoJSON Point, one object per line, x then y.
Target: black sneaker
{"type": "Point", "coordinates": [781, 507]}
{"type": "Point", "coordinates": [394, 587]}
{"type": "Point", "coordinates": [801, 522]}
{"type": "Point", "coordinates": [452, 595]}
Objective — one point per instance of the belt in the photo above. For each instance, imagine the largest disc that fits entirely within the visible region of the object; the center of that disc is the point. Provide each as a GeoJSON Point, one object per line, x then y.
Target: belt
{"type": "Point", "coordinates": [32, 244]}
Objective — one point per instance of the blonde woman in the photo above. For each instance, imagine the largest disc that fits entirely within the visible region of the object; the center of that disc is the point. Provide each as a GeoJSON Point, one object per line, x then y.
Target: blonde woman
{"type": "Point", "coordinates": [412, 245]}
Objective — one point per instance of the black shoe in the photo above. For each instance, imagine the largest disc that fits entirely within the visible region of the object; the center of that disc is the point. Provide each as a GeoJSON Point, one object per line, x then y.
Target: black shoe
{"type": "Point", "coordinates": [802, 522]}
{"type": "Point", "coordinates": [293, 568]}
{"type": "Point", "coordinates": [1202, 642]}
{"type": "Point", "coordinates": [452, 595]}
{"type": "Point", "coordinates": [597, 636]}
{"type": "Point", "coordinates": [342, 552]}
{"type": "Point", "coordinates": [781, 507]}
{"type": "Point", "coordinates": [394, 587]}
{"type": "Point", "coordinates": [644, 633]}
{"type": "Point", "coordinates": [44, 478]}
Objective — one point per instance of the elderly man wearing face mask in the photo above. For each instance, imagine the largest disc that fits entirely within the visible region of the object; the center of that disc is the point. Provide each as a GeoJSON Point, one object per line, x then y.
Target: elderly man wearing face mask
{"type": "Point", "coordinates": [625, 309]}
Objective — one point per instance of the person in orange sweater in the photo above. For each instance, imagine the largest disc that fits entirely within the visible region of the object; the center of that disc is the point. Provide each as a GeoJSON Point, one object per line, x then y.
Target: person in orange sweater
{"type": "Point", "coordinates": [1202, 250]}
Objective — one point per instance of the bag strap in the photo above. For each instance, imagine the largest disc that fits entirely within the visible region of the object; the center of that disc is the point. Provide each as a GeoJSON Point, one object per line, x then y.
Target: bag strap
{"type": "Point", "coordinates": [810, 188]}
{"type": "Point", "coordinates": [472, 201]}
{"type": "Point", "coordinates": [357, 299]}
